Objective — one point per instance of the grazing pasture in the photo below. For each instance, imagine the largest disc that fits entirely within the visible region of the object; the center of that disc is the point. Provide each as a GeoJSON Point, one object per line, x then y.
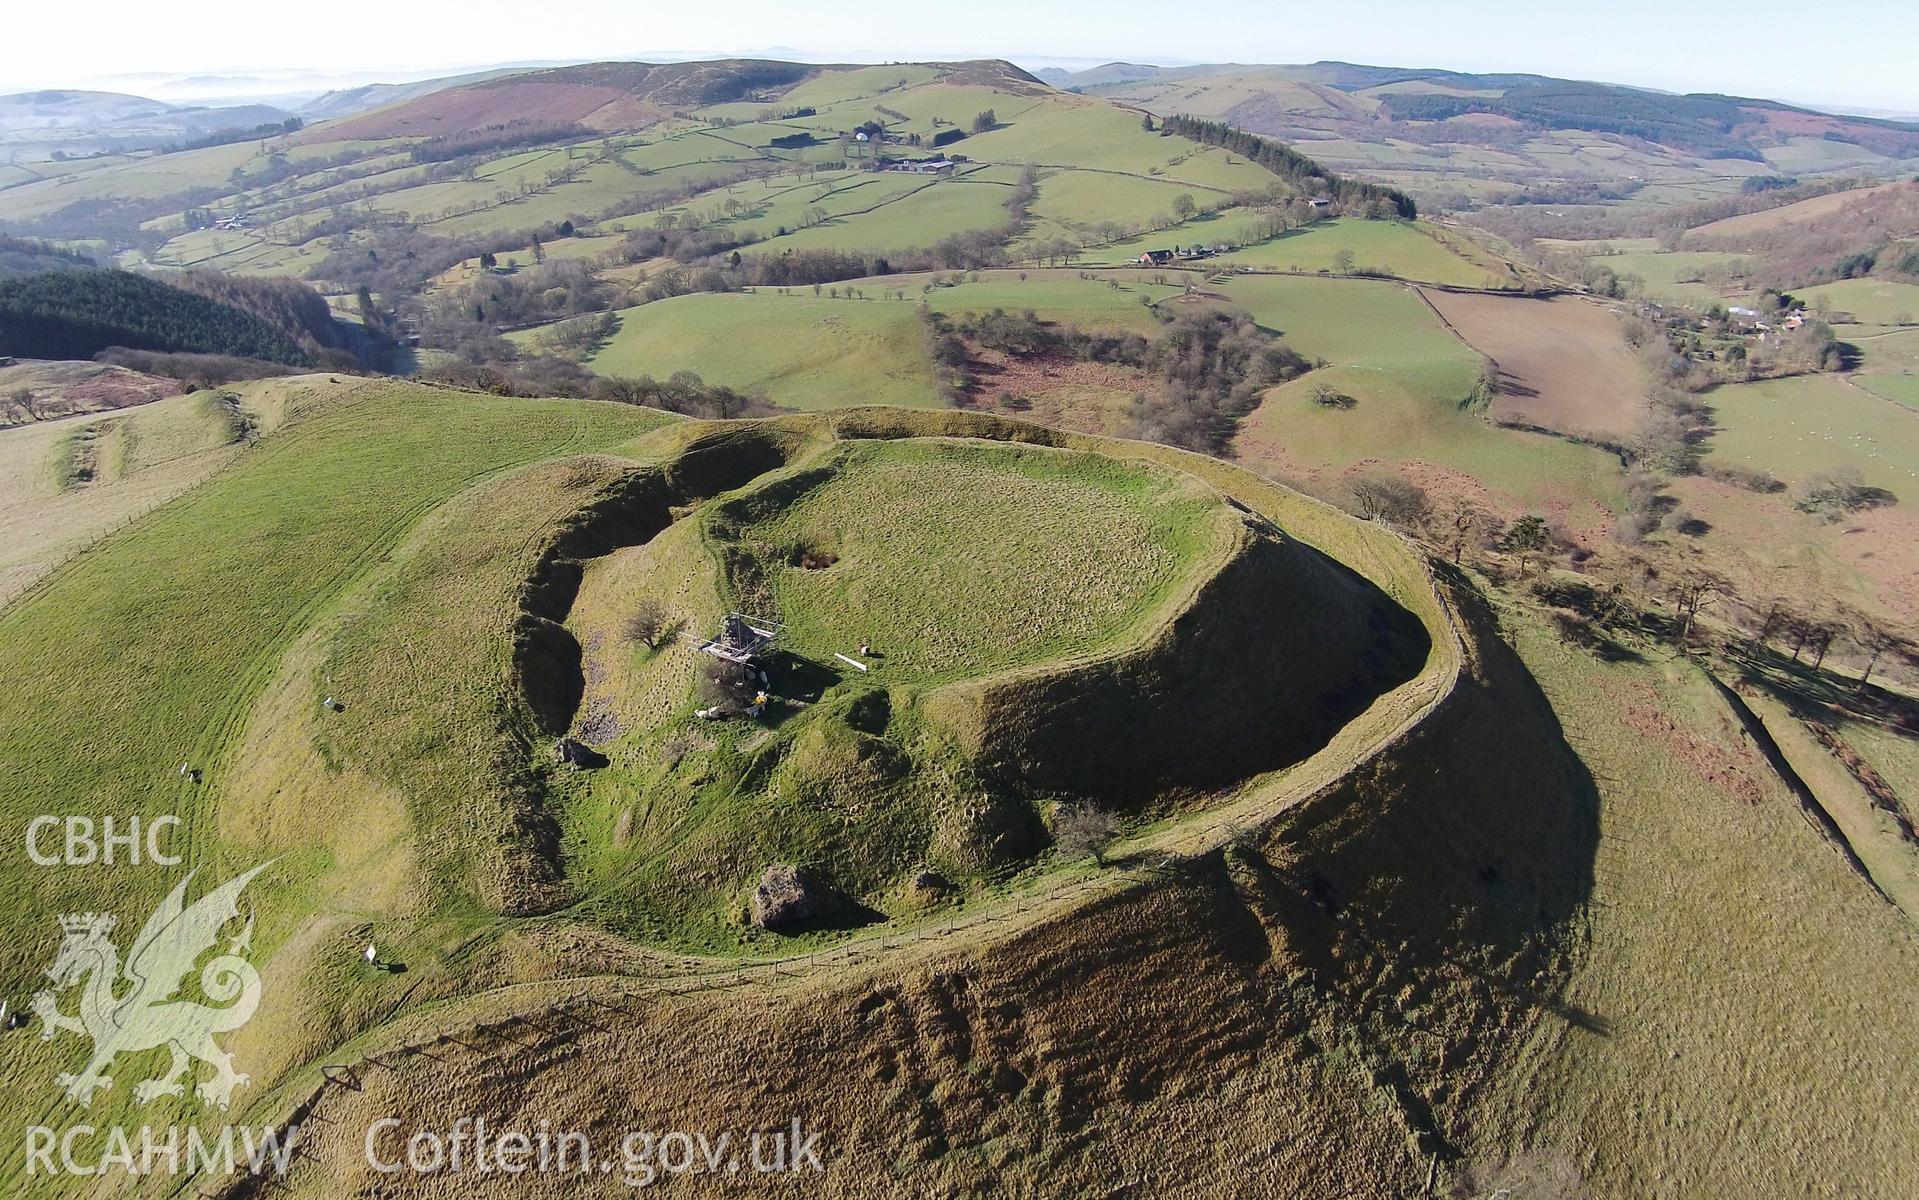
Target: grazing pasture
{"type": "Point", "coordinates": [1399, 248]}
{"type": "Point", "coordinates": [1681, 276]}
{"type": "Point", "coordinates": [1122, 300]}
{"type": "Point", "coordinates": [799, 351]}
{"type": "Point", "coordinates": [1865, 301]}
{"type": "Point", "coordinates": [1799, 426]}
{"type": "Point", "coordinates": [69, 481]}
{"type": "Point", "coordinates": [917, 216]}
{"type": "Point", "coordinates": [905, 521]}
{"type": "Point", "coordinates": [1412, 382]}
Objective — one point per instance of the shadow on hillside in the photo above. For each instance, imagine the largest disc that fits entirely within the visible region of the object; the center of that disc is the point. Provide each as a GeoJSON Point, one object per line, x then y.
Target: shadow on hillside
{"type": "Point", "coordinates": [1282, 649]}
{"type": "Point", "coordinates": [1463, 859]}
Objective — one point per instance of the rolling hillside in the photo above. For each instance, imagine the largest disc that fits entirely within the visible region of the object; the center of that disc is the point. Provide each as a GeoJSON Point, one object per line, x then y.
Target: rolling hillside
{"type": "Point", "coordinates": [1464, 137]}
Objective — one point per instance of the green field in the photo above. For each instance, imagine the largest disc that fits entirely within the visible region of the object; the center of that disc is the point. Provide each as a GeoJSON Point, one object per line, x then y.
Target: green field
{"type": "Point", "coordinates": [765, 210]}
{"type": "Point", "coordinates": [798, 350]}
{"type": "Point", "coordinates": [807, 351]}
{"type": "Point", "coordinates": [838, 87]}
{"type": "Point", "coordinates": [1357, 321]}
{"type": "Point", "coordinates": [1115, 539]}
{"type": "Point", "coordinates": [1412, 380]}
{"type": "Point", "coordinates": [1069, 132]}
{"type": "Point", "coordinates": [1796, 427]}
{"type": "Point", "coordinates": [1890, 364]}
{"type": "Point", "coordinates": [1074, 201]}
{"type": "Point", "coordinates": [1866, 301]}
{"type": "Point", "coordinates": [1390, 247]}
{"type": "Point", "coordinates": [239, 252]}
{"type": "Point", "coordinates": [145, 177]}
{"type": "Point", "coordinates": [916, 217]}
{"type": "Point", "coordinates": [1106, 300]}
{"type": "Point", "coordinates": [1676, 275]}
{"type": "Point", "coordinates": [1900, 389]}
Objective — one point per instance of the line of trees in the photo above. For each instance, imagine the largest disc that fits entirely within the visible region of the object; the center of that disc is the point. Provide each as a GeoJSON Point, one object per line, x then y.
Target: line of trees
{"type": "Point", "coordinates": [1351, 195]}
{"type": "Point", "coordinates": [226, 137]}
{"type": "Point", "coordinates": [492, 139]}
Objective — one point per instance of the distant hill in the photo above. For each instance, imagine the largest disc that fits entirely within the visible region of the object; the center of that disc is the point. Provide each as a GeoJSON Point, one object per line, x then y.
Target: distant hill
{"type": "Point", "coordinates": [607, 96]}
{"type": "Point", "coordinates": [1393, 119]}
{"type": "Point", "coordinates": [37, 124]}
{"type": "Point", "coordinates": [95, 112]}
{"type": "Point", "coordinates": [75, 110]}
{"type": "Point", "coordinates": [346, 102]}
{"type": "Point", "coordinates": [1110, 73]}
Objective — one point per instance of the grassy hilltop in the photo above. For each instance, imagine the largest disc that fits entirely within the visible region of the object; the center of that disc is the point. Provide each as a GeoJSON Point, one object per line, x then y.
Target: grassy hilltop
{"type": "Point", "coordinates": [1325, 910]}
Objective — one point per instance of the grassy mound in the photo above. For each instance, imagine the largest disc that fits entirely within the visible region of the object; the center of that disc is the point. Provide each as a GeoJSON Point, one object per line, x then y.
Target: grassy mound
{"type": "Point", "coordinates": [1046, 624]}
{"type": "Point", "coordinates": [955, 559]}
{"type": "Point", "coordinates": [464, 609]}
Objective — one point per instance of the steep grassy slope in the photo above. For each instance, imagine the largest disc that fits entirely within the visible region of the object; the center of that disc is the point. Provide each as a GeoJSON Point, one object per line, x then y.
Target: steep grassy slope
{"type": "Point", "coordinates": [150, 650]}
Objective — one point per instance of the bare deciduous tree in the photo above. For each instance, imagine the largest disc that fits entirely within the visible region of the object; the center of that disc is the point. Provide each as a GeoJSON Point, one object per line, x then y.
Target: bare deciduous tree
{"type": "Point", "coordinates": [1878, 641]}
{"type": "Point", "coordinates": [1390, 498]}
{"type": "Point", "coordinates": [647, 624]}
{"type": "Point", "coordinates": [1459, 522]}
{"type": "Point", "coordinates": [1081, 829]}
{"type": "Point", "coordinates": [1691, 588]}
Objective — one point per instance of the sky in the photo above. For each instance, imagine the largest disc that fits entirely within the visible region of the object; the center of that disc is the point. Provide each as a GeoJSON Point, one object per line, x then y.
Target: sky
{"type": "Point", "coordinates": [1860, 54]}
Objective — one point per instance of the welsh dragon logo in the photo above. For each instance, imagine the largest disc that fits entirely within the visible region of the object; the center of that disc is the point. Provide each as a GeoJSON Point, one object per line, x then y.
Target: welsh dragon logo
{"type": "Point", "coordinates": [131, 1009]}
